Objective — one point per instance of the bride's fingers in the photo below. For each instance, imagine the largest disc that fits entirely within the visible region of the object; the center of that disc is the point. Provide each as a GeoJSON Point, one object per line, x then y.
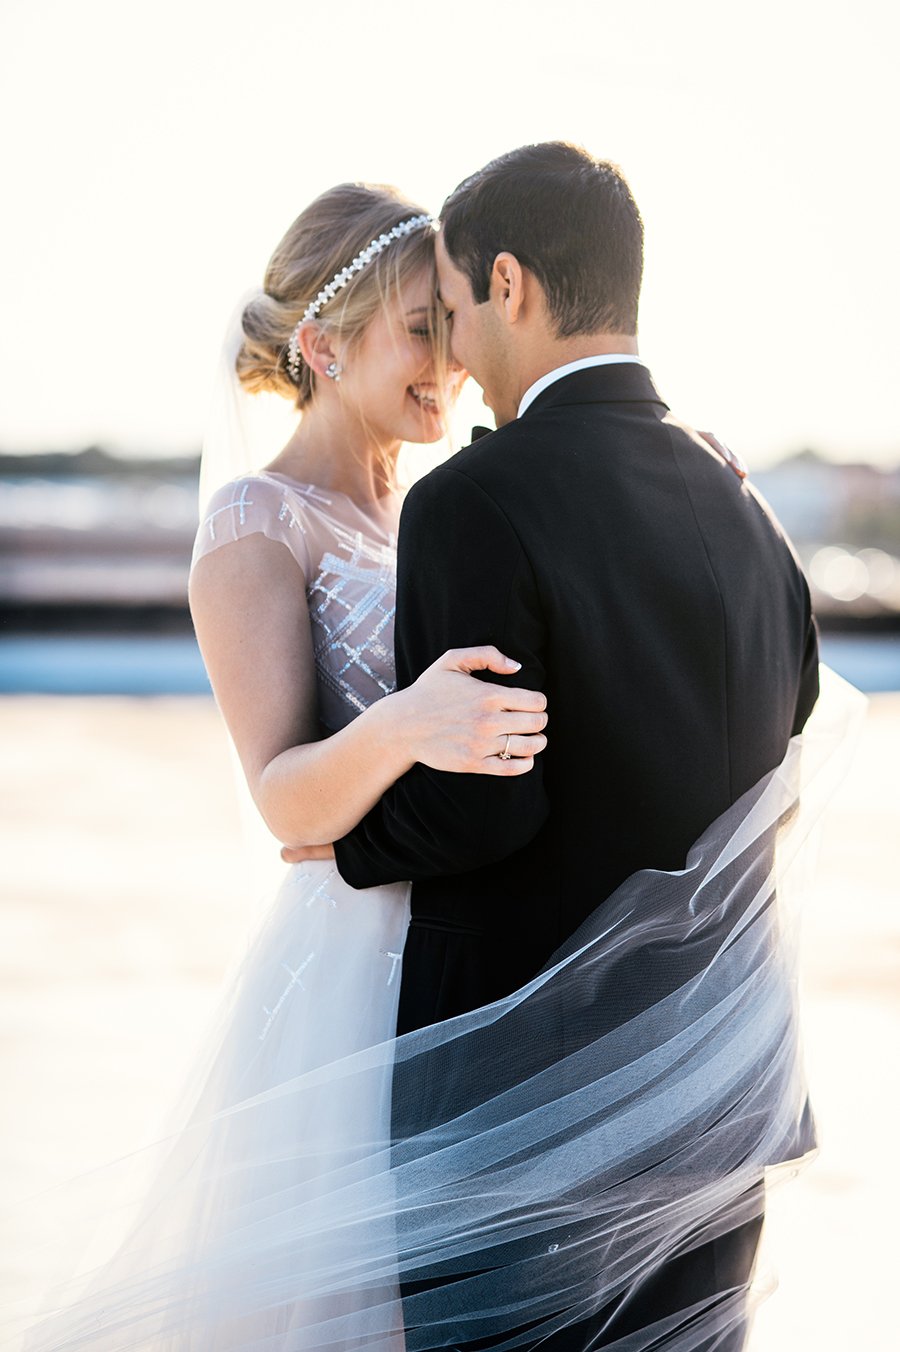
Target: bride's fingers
{"type": "Point", "coordinates": [485, 658]}
{"type": "Point", "coordinates": [518, 765]}
{"type": "Point", "coordinates": [518, 724]}
{"type": "Point", "coordinates": [519, 748]}
{"type": "Point", "coordinates": [518, 700]}
{"type": "Point", "coordinates": [299, 854]}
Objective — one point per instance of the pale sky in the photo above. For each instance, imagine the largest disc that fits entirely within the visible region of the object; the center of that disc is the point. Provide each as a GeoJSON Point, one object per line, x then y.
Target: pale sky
{"type": "Point", "coordinates": [154, 154]}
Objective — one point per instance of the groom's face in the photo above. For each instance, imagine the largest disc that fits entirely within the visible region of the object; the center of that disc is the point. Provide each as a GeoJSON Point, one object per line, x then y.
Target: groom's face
{"type": "Point", "coordinates": [477, 338]}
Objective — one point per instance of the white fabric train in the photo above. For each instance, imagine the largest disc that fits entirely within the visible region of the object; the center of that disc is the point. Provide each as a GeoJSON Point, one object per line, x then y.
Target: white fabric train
{"type": "Point", "coordinates": [545, 1150]}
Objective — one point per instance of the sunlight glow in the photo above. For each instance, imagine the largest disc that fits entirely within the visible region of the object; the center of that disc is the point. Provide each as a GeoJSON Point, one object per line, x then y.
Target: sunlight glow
{"type": "Point", "coordinates": [159, 153]}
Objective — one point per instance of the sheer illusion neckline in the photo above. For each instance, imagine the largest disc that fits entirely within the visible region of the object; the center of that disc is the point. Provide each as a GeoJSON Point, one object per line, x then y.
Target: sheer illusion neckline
{"type": "Point", "coordinates": [314, 493]}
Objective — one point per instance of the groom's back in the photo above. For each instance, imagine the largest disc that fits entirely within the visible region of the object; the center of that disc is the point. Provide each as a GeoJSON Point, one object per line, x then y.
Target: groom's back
{"type": "Point", "coordinates": [678, 654]}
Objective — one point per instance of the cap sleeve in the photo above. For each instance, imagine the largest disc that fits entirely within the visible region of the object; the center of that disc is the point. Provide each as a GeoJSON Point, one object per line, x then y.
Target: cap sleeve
{"type": "Point", "coordinates": [254, 506]}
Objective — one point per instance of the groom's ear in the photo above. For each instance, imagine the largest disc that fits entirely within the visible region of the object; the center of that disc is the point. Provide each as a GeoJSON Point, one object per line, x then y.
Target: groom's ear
{"type": "Point", "coordinates": [508, 286]}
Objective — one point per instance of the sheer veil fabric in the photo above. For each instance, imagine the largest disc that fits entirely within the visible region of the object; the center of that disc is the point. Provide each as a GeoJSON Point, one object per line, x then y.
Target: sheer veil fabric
{"type": "Point", "coordinates": [518, 1168]}
{"type": "Point", "coordinates": [242, 431]}
{"type": "Point", "coordinates": [526, 1163]}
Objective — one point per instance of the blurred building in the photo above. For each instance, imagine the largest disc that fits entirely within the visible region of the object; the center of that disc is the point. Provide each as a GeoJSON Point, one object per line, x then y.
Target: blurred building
{"type": "Point", "coordinates": [845, 523]}
{"type": "Point", "coordinates": [94, 543]}
{"type": "Point", "coordinates": [90, 541]}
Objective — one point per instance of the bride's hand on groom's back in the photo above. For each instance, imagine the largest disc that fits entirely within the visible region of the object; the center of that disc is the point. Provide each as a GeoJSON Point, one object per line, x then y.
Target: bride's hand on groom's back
{"type": "Point", "coordinates": [451, 721]}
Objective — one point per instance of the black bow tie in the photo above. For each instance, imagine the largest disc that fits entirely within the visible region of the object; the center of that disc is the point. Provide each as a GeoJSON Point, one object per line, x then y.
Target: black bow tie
{"type": "Point", "coordinates": [479, 432]}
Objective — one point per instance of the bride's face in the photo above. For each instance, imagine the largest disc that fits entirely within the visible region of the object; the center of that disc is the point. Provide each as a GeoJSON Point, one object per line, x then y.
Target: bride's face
{"type": "Point", "coordinates": [391, 377]}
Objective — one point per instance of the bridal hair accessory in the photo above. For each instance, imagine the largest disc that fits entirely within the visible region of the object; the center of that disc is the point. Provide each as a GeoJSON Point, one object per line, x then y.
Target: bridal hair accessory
{"type": "Point", "coordinates": [340, 280]}
{"type": "Point", "coordinates": [504, 754]}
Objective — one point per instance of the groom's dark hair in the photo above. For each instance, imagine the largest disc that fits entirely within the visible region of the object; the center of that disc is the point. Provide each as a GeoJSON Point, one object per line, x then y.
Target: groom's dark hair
{"type": "Point", "coordinates": [569, 218]}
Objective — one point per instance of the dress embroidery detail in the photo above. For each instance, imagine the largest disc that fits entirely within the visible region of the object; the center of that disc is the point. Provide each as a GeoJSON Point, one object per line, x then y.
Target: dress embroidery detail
{"type": "Point", "coordinates": [288, 514]}
{"type": "Point", "coordinates": [351, 606]}
{"type": "Point", "coordinates": [349, 576]}
{"type": "Point", "coordinates": [236, 504]}
{"type": "Point", "coordinates": [294, 981]}
{"type": "Point", "coordinates": [321, 892]}
{"type": "Point", "coordinates": [395, 961]}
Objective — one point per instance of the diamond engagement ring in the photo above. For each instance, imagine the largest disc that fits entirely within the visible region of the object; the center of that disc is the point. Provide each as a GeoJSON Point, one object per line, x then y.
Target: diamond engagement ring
{"type": "Point", "coordinates": [504, 754]}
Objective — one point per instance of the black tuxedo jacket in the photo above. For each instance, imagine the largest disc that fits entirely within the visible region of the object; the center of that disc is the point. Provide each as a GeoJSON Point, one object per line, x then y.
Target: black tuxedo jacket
{"type": "Point", "coordinates": [654, 598]}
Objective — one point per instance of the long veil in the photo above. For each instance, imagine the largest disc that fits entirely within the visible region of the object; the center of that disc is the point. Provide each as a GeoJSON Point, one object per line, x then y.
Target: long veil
{"type": "Point", "coordinates": [529, 1161]}
{"type": "Point", "coordinates": [243, 431]}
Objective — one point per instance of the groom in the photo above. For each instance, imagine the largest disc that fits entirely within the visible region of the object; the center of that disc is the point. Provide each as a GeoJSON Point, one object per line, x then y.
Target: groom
{"type": "Point", "coordinates": [636, 576]}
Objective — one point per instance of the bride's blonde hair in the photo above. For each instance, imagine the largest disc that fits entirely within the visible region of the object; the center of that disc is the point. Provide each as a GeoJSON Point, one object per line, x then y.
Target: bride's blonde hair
{"type": "Point", "coordinates": [323, 240]}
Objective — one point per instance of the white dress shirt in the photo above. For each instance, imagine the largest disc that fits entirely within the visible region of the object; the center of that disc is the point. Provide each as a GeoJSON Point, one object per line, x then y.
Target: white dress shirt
{"type": "Point", "coordinates": [582, 364]}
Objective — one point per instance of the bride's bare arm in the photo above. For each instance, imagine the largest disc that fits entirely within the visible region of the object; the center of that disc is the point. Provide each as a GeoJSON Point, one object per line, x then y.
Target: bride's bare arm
{"type": "Point", "coordinates": [249, 611]}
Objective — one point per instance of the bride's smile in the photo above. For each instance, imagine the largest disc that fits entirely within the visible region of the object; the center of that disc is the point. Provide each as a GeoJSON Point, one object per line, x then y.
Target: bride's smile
{"type": "Point", "coordinates": [392, 378]}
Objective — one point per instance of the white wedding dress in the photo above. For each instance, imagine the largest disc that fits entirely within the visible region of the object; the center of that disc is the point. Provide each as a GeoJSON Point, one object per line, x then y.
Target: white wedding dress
{"type": "Point", "coordinates": [316, 1159]}
{"type": "Point", "coordinates": [322, 979]}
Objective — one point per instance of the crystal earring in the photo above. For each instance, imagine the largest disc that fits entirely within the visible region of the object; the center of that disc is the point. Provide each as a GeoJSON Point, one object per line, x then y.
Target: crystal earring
{"type": "Point", "coordinates": [333, 371]}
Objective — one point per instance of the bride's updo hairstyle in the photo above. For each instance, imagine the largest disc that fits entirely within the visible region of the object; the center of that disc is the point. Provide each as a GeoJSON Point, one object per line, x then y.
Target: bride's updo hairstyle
{"type": "Point", "coordinates": [323, 240]}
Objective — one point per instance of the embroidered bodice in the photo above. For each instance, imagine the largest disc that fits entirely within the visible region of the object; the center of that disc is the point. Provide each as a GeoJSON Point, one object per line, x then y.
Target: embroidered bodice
{"type": "Point", "coordinates": [348, 566]}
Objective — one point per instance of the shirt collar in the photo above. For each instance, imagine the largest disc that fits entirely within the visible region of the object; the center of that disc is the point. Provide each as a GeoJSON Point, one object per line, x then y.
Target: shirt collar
{"type": "Point", "coordinates": [581, 364]}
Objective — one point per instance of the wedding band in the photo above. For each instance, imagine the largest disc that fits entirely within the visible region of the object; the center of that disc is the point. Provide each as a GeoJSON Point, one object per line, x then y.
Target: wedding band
{"type": "Point", "coordinates": [504, 754]}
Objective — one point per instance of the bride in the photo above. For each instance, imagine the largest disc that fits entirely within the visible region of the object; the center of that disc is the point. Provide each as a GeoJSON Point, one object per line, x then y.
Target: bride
{"type": "Point", "coordinates": [306, 1173]}
{"type": "Point", "coordinates": [291, 592]}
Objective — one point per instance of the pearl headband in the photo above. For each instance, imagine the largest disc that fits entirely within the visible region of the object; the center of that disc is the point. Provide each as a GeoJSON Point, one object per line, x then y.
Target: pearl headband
{"type": "Point", "coordinates": [340, 280]}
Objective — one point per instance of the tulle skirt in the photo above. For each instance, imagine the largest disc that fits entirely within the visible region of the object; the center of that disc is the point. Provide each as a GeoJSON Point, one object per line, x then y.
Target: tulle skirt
{"type": "Point", "coordinates": [514, 1170]}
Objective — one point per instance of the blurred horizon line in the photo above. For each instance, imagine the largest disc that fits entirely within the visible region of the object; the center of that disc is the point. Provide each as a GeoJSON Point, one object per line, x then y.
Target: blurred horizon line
{"type": "Point", "coordinates": [94, 456]}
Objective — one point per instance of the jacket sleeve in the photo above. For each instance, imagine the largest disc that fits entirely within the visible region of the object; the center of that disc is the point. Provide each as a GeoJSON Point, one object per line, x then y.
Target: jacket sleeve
{"type": "Point", "coordinates": [463, 580]}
